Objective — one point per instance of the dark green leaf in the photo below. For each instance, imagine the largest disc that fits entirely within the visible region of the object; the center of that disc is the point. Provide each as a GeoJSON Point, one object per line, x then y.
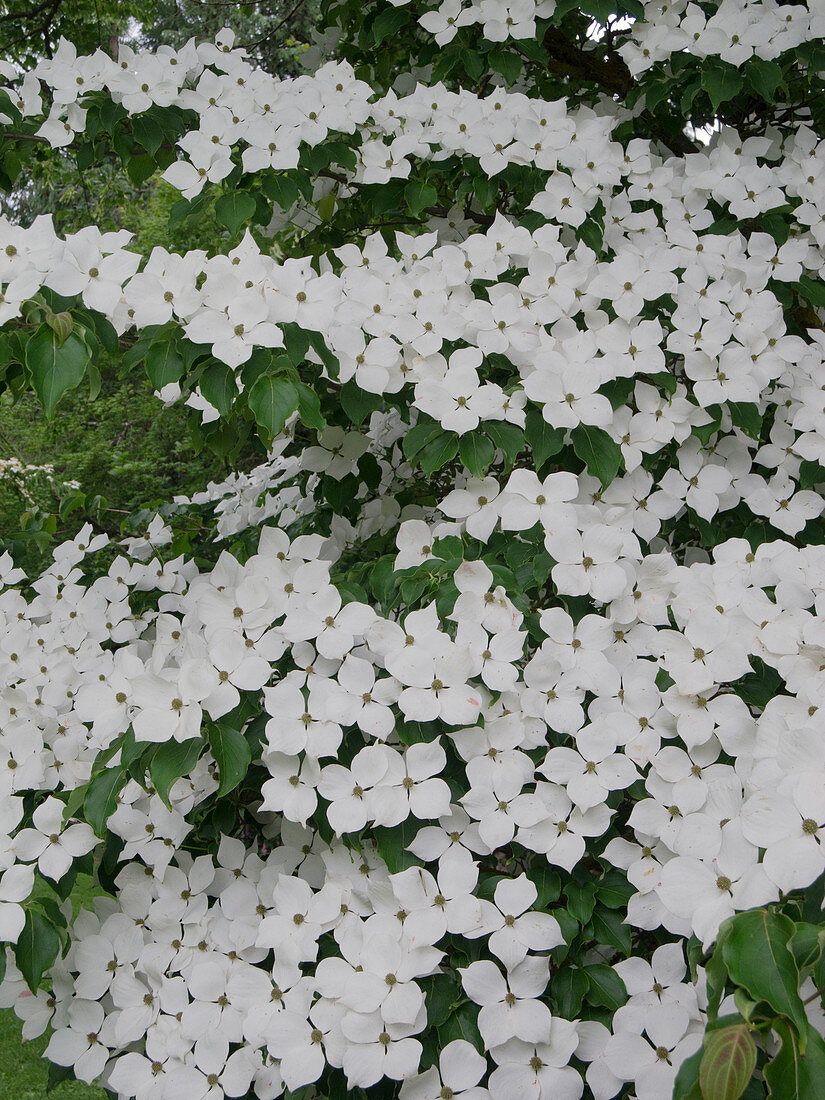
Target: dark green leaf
{"type": "Point", "coordinates": [234, 210]}
{"type": "Point", "coordinates": [746, 415]}
{"type": "Point", "coordinates": [758, 957]}
{"type": "Point", "coordinates": [101, 798]}
{"type": "Point", "coordinates": [806, 943]}
{"type": "Point", "coordinates": [281, 190]}
{"type": "Point", "coordinates": [273, 400]}
{"type": "Point", "coordinates": [418, 196]}
{"type": "Point", "coordinates": [232, 755]}
{"type": "Point", "coordinates": [793, 1075]}
{"type": "Point", "coordinates": [716, 970]}
{"type": "Point", "coordinates": [601, 455]}
{"type": "Point", "coordinates": [569, 988]}
{"type": "Point", "coordinates": [686, 1085]}
{"type": "Point", "coordinates": [438, 452]}
{"type": "Point", "coordinates": [329, 360]}
{"type": "Point", "coordinates": [217, 385]}
{"type": "Point", "coordinates": [462, 1024]}
{"type": "Point", "coordinates": [164, 364]}
{"type": "Point", "coordinates": [147, 133]}
{"type": "Point", "coordinates": [509, 438]}
{"type": "Point", "coordinates": [388, 22]}
{"type": "Point", "coordinates": [544, 440]}
{"type": "Point", "coordinates": [812, 290]}
{"type": "Point", "coordinates": [477, 453]}
{"type": "Point", "coordinates": [419, 436]}
{"type": "Point", "coordinates": [608, 927]}
{"type": "Point", "coordinates": [36, 948]}
{"type": "Point", "coordinates": [309, 407]}
{"type": "Point", "coordinates": [296, 342]}
{"type": "Point", "coordinates": [170, 761]}
{"type": "Point", "coordinates": [440, 993]}
{"type": "Point", "coordinates": [606, 987]}
{"type": "Point", "coordinates": [721, 81]}
{"type": "Point", "coordinates": [140, 167]}
{"type": "Point", "coordinates": [358, 404]}
{"type": "Point", "coordinates": [764, 77]}
{"type": "Point", "coordinates": [55, 366]}
{"type": "Point", "coordinates": [581, 898]}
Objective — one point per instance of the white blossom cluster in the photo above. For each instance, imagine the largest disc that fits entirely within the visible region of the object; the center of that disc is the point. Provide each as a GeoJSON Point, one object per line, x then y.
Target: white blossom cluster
{"type": "Point", "coordinates": [733, 30]}
{"type": "Point", "coordinates": [497, 21]}
{"type": "Point", "coordinates": [621, 713]}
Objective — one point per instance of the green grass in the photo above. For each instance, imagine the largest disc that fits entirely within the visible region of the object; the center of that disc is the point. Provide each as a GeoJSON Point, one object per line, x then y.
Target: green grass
{"type": "Point", "coordinates": [24, 1074]}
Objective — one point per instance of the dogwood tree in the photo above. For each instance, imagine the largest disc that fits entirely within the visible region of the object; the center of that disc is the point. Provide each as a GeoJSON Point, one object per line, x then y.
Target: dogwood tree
{"type": "Point", "coordinates": [470, 744]}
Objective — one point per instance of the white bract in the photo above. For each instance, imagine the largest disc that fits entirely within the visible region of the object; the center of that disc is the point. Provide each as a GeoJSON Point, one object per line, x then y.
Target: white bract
{"type": "Point", "coordinates": [416, 728]}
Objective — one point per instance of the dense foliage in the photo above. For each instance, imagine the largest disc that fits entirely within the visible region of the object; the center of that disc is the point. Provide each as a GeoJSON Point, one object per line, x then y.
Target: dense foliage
{"type": "Point", "coordinates": [468, 744]}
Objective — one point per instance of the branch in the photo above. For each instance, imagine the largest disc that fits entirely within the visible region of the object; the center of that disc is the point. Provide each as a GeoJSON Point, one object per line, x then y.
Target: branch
{"type": "Point", "coordinates": [611, 73]}
{"type": "Point", "coordinates": [567, 59]}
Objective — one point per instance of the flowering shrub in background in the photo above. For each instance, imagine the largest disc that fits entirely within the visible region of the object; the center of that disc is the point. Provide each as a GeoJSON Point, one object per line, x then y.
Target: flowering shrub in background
{"type": "Point", "coordinates": [470, 745]}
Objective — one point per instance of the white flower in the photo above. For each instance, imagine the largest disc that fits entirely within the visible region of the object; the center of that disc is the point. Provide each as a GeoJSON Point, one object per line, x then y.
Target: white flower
{"type": "Point", "coordinates": [50, 844]}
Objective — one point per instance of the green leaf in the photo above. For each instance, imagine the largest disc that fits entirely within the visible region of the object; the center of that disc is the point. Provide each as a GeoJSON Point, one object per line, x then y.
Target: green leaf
{"type": "Point", "coordinates": [507, 63]}
{"type": "Point", "coordinates": [544, 440]}
{"type": "Point", "coordinates": [140, 167]}
{"type": "Point", "coordinates": [55, 366]}
{"type": "Point", "coordinates": [387, 23]}
{"type": "Point", "coordinates": [569, 988]}
{"type": "Point", "coordinates": [721, 81]}
{"type": "Point", "coordinates": [170, 761]}
{"type": "Point", "coordinates": [477, 453]}
{"type": "Point", "coordinates": [609, 928]}
{"type": "Point", "coordinates": [806, 943]}
{"type": "Point", "coordinates": [606, 987]}
{"type": "Point", "coordinates": [509, 438]}
{"type": "Point", "coordinates": [462, 1024]}
{"type": "Point", "coordinates": [309, 407]}
{"type": "Point", "coordinates": [418, 196]}
{"type": "Point", "coordinates": [296, 342]}
{"type": "Point", "coordinates": [686, 1085]}
{"type": "Point", "coordinates": [728, 1062]}
{"type": "Point", "coordinates": [793, 1075]}
{"type": "Point", "coordinates": [358, 404]}
{"type": "Point", "coordinates": [812, 290]}
{"type": "Point", "coordinates": [61, 325]}
{"type": "Point", "coordinates": [282, 190]}
{"type": "Point", "coordinates": [746, 415]}
{"type": "Point", "coordinates": [273, 400]}
{"type": "Point", "coordinates": [217, 385]}
{"type": "Point", "coordinates": [101, 798]}
{"type": "Point", "coordinates": [703, 432]}
{"type": "Point", "coordinates": [716, 970]}
{"type": "Point", "coordinates": [440, 993]}
{"type": "Point", "coordinates": [147, 133]}
{"type": "Point", "coordinates": [232, 755]}
{"type": "Point", "coordinates": [329, 360]}
{"type": "Point", "coordinates": [547, 883]}
{"type": "Point", "coordinates": [601, 455]}
{"type": "Point", "coordinates": [438, 452]}
{"type": "Point", "coordinates": [614, 890]}
{"type": "Point", "coordinates": [59, 1074]}
{"type": "Point", "coordinates": [36, 948]}
{"type": "Point", "coordinates": [234, 210]}
{"type": "Point", "coordinates": [581, 898]}
{"type": "Point", "coordinates": [164, 364]}
{"type": "Point", "coordinates": [758, 957]}
{"type": "Point", "coordinates": [764, 77]}
{"type": "Point", "coordinates": [419, 436]}
{"type": "Point", "coordinates": [392, 845]}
